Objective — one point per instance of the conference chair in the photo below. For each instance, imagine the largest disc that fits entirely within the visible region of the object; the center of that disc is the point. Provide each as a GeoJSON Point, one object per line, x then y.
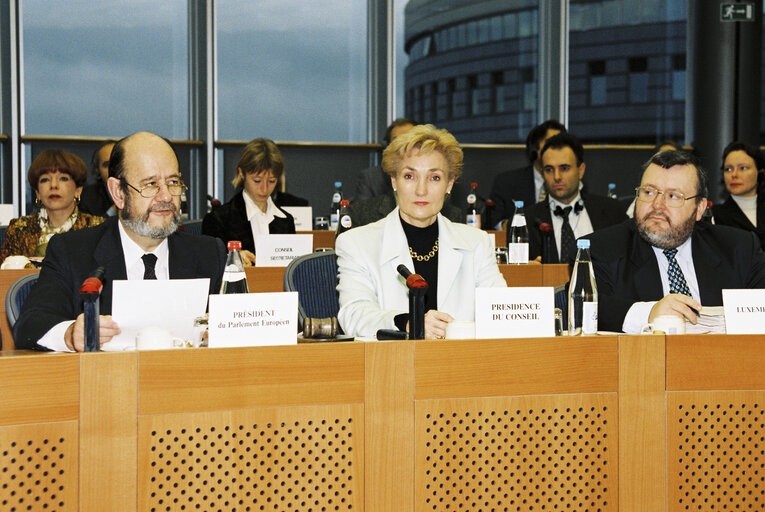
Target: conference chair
{"type": "Point", "coordinates": [314, 277]}
{"type": "Point", "coordinates": [17, 294]}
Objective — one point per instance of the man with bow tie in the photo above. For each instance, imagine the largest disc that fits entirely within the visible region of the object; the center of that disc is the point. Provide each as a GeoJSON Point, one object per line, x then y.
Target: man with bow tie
{"type": "Point", "coordinates": [571, 213]}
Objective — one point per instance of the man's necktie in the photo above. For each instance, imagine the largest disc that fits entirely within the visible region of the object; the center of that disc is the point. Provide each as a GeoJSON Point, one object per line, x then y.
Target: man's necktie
{"type": "Point", "coordinates": [567, 238]}
{"type": "Point", "coordinates": [677, 282]}
{"type": "Point", "coordinates": [149, 261]}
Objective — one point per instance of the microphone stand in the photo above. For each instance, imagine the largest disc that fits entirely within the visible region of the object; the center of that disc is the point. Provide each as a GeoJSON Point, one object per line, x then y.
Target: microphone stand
{"type": "Point", "coordinates": [90, 292]}
{"type": "Point", "coordinates": [418, 287]}
{"type": "Point", "coordinates": [546, 232]}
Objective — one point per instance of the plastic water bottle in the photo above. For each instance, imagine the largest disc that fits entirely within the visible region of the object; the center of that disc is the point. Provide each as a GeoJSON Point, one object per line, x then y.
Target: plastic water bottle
{"type": "Point", "coordinates": [473, 216]}
{"type": "Point", "coordinates": [345, 222]}
{"type": "Point", "coordinates": [334, 211]}
{"type": "Point", "coordinates": [234, 278]}
{"type": "Point", "coordinates": [582, 294]}
{"type": "Point", "coordinates": [612, 191]}
{"type": "Point", "coordinates": [518, 237]}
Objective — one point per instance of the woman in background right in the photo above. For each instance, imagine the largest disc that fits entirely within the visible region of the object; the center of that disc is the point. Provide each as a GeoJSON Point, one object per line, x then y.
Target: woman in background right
{"type": "Point", "coordinates": [743, 167]}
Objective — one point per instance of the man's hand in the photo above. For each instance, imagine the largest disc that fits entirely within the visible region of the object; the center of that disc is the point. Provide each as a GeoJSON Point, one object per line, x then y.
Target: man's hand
{"type": "Point", "coordinates": [248, 259]}
{"type": "Point", "coordinates": [676, 304]}
{"type": "Point", "coordinates": [75, 333]}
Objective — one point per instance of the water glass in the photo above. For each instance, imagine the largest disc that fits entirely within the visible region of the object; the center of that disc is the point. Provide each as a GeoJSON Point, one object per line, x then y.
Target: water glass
{"type": "Point", "coordinates": [320, 223]}
{"type": "Point", "coordinates": [501, 253]}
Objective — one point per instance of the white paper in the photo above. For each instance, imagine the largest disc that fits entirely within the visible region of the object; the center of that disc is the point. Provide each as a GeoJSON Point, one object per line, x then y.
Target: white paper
{"type": "Point", "coordinates": [303, 217]}
{"type": "Point", "coordinates": [253, 319]}
{"type": "Point", "coordinates": [514, 312]}
{"type": "Point", "coordinates": [172, 304]}
{"type": "Point", "coordinates": [6, 214]}
{"type": "Point", "coordinates": [744, 311]}
{"type": "Point", "coordinates": [279, 250]}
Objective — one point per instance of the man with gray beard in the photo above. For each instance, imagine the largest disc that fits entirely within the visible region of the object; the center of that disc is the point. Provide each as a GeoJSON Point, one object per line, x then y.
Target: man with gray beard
{"type": "Point", "coordinates": [141, 242]}
{"type": "Point", "coordinates": [664, 261]}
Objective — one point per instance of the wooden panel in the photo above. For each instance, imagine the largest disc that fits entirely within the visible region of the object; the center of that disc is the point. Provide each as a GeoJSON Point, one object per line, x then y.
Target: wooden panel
{"type": "Point", "coordinates": [38, 467]}
{"type": "Point", "coordinates": [108, 428]}
{"type": "Point", "coordinates": [389, 427]}
{"type": "Point", "coordinates": [642, 425]}
{"type": "Point", "coordinates": [323, 239]}
{"type": "Point", "coordinates": [716, 450]}
{"type": "Point", "coordinates": [265, 279]}
{"type": "Point", "coordinates": [703, 362]}
{"type": "Point", "coordinates": [472, 368]}
{"type": "Point", "coordinates": [39, 387]}
{"type": "Point", "coordinates": [554, 274]}
{"type": "Point", "coordinates": [521, 453]}
{"type": "Point", "coordinates": [300, 458]}
{"type": "Point", "coordinates": [522, 275]}
{"type": "Point", "coordinates": [198, 380]}
{"type": "Point", "coordinates": [7, 277]}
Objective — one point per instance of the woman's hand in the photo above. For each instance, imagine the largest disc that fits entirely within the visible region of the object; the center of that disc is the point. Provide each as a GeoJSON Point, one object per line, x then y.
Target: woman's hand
{"type": "Point", "coordinates": [435, 324]}
{"type": "Point", "coordinates": [248, 259]}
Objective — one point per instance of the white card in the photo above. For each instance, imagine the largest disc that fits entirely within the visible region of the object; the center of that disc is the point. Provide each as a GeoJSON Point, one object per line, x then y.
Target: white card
{"type": "Point", "coordinates": [744, 311]}
{"type": "Point", "coordinates": [6, 214]}
{"type": "Point", "coordinates": [253, 319]}
{"type": "Point", "coordinates": [279, 250]}
{"type": "Point", "coordinates": [171, 304]}
{"type": "Point", "coordinates": [514, 312]}
{"type": "Point", "coordinates": [303, 217]}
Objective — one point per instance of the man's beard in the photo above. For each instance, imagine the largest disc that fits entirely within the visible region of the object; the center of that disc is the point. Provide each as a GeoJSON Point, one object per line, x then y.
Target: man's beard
{"type": "Point", "coordinates": [670, 239]}
{"type": "Point", "coordinates": [139, 223]}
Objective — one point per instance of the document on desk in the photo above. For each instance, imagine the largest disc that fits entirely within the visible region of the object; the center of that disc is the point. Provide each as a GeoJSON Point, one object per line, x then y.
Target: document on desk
{"type": "Point", "coordinates": [171, 304]}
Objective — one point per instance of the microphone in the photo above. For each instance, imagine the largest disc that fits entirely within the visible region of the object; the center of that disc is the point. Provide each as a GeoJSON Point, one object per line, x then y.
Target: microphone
{"type": "Point", "coordinates": [94, 282]}
{"type": "Point", "coordinates": [90, 291]}
{"type": "Point", "coordinates": [547, 236]}
{"type": "Point", "coordinates": [412, 280]}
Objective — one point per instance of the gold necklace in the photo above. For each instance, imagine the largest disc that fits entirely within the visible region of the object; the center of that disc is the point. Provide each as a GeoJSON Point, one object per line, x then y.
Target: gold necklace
{"type": "Point", "coordinates": [426, 257]}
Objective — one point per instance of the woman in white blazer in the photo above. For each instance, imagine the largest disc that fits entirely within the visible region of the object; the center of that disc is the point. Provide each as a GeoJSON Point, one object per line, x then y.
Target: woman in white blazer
{"type": "Point", "coordinates": [454, 259]}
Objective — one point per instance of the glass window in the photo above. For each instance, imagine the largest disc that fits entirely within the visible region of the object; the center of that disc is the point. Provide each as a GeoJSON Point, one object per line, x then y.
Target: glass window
{"type": "Point", "coordinates": [511, 25]}
{"type": "Point", "coordinates": [638, 80]}
{"type": "Point", "coordinates": [498, 80]}
{"type": "Point", "coordinates": [529, 89]}
{"type": "Point", "coordinates": [474, 96]}
{"type": "Point", "coordinates": [292, 70]}
{"type": "Point", "coordinates": [472, 30]}
{"type": "Point", "coordinates": [525, 28]}
{"type": "Point", "coordinates": [483, 30]}
{"type": "Point", "coordinates": [110, 68]}
{"type": "Point", "coordinates": [678, 78]}
{"type": "Point", "coordinates": [598, 82]}
{"type": "Point", "coordinates": [495, 31]}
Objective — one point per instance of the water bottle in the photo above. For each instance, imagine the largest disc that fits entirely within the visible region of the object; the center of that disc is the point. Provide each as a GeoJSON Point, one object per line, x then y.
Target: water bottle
{"type": "Point", "coordinates": [582, 294]}
{"type": "Point", "coordinates": [334, 211]}
{"type": "Point", "coordinates": [345, 222]}
{"type": "Point", "coordinates": [612, 191]}
{"type": "Point", "coordinates": [234, 278]}
{"type": "Point", "coordinates": [518, 237]}
{"type": "Point", "coordinates": [473, 216]}
{"type": "Point", "coordinates": [184, 206]}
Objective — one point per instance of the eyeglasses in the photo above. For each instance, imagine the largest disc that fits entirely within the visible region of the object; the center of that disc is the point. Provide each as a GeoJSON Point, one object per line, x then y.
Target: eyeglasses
{"type": "Point", "coordinates": [174, 186]}
{"type": "Point", "coordinates": [671, 198]}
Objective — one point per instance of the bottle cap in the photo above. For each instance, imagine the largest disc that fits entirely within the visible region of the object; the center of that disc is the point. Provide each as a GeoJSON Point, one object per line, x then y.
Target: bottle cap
{"type": "Point", "coordinates": [338, 184]}
{"type": "Point", "coordinates": [612, 185]}
{"type": "Point", "coordinates": [474, 185]}
{"type": "Point", "coordinates": [519, 204]}
{"type": "Point", "coordinates": [344, 202]}
{"type": "Point", "coordinates": [583, 244]}
{"type": "Point", "coordinates": [234, 245]}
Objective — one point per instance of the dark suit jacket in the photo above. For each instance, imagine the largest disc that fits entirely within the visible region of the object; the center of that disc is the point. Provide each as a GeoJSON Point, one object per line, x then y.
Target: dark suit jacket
{"type": "Point", "coordinates": [74, 255]}
{"type": "Point", "coordinates": [229, 222]}
{"type": "Point", "coordinates": [95, 199]}
{"type": "Point", "coordinates": [603, 212]}
{"type": "Point", "coordinates": [729, 214]}
{"type": "Point", "coordinates": [376, 208]}
{"type": "Point", "coordinates": [371, 182]}
{"type": "Point", "coordinates": [626, 270]}
{"type": "Point", "coordinates": [508, 187]}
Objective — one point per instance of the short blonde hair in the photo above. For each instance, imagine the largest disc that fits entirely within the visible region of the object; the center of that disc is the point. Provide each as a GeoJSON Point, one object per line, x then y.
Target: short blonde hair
{"type": "Point", "coordinates": [258, 156]}
{"type": "Point", "coordinates": [423, 138]}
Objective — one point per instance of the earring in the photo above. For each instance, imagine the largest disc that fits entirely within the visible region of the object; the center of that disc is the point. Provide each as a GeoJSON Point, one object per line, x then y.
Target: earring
{"type": "Point", "coordinates": [38, 203]}
{"type": "Point", "coordinates": [76, 199]}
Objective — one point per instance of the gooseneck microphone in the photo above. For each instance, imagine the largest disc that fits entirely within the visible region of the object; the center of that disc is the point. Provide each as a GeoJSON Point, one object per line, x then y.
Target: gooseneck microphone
{"type": "Point", "coordinates": [547, 238]}
{"type": "Point", "coordinates": [418, 287]}
{"type": "Point", "coordinates": [90, 291]}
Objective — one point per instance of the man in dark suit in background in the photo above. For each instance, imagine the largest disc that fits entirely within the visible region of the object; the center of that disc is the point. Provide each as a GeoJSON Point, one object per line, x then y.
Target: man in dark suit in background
{"type": "Point", "coordinates": [141, 243]}
{"type": "Point", "coordinates": [95, 199]}
{"type": "Point", "coordinates": [373, 181]}
{"type": "Point", "coordinates": [666, 262]}
{"type": "Point", "coordinates": [525, 183]}
{"type": "Point", "coordinates": [571, 213]}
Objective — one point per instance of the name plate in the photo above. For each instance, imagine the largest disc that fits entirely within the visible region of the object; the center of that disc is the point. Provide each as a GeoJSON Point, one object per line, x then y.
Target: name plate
{"type": "Point", "coordinates": [279, 250]}
{"type": "Point", "coordinates": [744, 311]}
{"type": "Point", "coordinates": [253, 319]}
{"type": "Point", "coordinates": [303, 216]}
{"type": "Point", "coordinates": [514, 312]}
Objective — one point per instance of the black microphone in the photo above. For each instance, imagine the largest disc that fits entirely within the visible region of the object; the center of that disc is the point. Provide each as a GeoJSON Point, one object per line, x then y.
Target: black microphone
{"type": "Point", "coordinates": [547, 238]}
{"type": "Point", "coordinates": [90, 291]}
{"type": "Point", "coordinates": [412, 280]}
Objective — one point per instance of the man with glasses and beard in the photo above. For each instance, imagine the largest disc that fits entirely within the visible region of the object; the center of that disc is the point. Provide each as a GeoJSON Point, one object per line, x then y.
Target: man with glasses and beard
{"type": "Point", "coordinates": [666, 262]}
{"type": "Point", "coordinates": [141, 242]}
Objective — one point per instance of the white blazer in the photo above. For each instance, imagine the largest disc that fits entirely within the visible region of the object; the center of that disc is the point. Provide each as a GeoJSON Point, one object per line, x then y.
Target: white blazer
{"type": "Point", "coordinates": [372, 292]}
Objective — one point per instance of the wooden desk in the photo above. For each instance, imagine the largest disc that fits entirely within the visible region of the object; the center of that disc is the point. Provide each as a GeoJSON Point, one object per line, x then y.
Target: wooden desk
{"type": "Point", "coordinates": [327, 238]}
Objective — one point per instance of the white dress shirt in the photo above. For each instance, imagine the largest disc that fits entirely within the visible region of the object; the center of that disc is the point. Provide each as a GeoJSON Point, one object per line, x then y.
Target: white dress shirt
{"type": "Point", "coordinates": [260, 220]}
{"type": "Point", "coordinates": [637, 316]}
{"type": "Point", "coordinates": [539, 184]}
{"type": "Point", "coordinates": [132, 252]}
{"type": "Point", "coordinates": [748, 205]}
{"type": "Point", "coordinates": [580, 223]}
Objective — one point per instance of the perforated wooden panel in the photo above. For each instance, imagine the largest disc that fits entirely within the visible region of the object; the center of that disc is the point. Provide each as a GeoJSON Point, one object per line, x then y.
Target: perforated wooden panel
{"type": "Point", "coordinates": [302, 458]}
{"type": "Point", "coordinates": [716, 450]}
{"type": "Point", "coordinates": [38, 467]}
{"type": "Point", "coordinates": [525, 453]}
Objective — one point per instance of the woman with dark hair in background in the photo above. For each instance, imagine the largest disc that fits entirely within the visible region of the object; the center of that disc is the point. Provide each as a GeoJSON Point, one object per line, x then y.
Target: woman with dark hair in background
{"type": "Point", "coordinates": [57, 178]}
{"type": "Point", "coordinates": [743, 167]}
{"type": "Point", "coordinates": [252, 211]}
